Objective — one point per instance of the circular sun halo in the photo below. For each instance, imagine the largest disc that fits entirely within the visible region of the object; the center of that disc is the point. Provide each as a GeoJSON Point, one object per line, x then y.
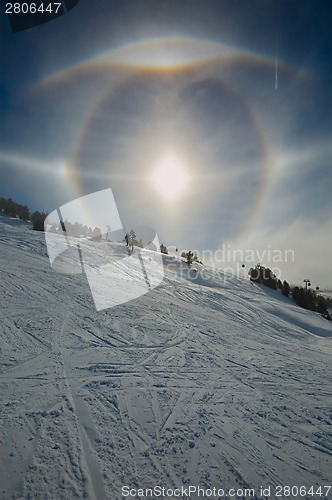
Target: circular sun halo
{"type": "Point", "coordinates": [170, 178]}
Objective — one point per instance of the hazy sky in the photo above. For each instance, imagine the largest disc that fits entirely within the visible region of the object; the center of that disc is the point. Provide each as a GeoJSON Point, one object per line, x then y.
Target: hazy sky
{"type": "Point", "coordinates": [236, 94]}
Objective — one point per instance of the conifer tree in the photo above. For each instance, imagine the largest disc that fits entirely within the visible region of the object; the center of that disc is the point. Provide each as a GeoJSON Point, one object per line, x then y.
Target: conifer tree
{"type": "Point", "coordinates": [37, 219]}
{"type": "Point", "coordinates": [295, 293]}
{"type": "Point", "coordinates": [285, 289]}
{"type": "Point", "coordinates": [321, 304]}
{"type": "Point", "coordinates": [163, 249]}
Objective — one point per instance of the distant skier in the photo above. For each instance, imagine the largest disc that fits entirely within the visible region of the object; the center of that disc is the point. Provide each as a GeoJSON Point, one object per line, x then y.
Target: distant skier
{"type": "Point", "coordinates": [127, 239]}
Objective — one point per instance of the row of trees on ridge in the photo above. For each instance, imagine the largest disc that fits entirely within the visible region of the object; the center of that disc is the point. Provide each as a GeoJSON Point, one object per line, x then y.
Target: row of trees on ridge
{"type": "Point", "coordinates": [304, 297]}
{"type": "Point", "coordinates": [22, 212]}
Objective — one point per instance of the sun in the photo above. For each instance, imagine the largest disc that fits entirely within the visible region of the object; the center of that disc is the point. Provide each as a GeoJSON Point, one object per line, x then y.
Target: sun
{"type": "Point", "coordinates": [170, 177]}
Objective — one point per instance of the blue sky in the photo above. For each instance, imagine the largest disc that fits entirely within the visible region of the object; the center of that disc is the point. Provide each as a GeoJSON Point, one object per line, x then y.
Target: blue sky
{"type": "Point", "coordinates": [239, 92]}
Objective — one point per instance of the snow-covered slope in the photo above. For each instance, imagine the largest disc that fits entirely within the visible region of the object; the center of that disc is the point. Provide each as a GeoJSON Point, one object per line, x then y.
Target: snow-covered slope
{"type": "Point", "coordinates": [206, 381]}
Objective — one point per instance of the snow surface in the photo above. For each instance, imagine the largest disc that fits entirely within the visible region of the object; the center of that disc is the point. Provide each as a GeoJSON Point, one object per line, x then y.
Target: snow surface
{"type": "Point", "coordinates": [206, 380]}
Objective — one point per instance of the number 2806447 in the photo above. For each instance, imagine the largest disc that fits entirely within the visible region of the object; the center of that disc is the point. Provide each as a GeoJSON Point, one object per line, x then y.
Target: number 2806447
{"type": "Point", "coordinates": [33, 8]}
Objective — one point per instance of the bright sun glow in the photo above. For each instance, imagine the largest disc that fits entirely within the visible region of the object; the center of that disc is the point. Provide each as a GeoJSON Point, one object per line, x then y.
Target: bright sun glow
{"type": "Point", "coordinates": [170, 178]}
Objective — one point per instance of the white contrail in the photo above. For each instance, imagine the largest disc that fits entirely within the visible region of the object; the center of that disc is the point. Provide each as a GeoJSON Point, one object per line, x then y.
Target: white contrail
{"type": "Point", "coordinates": [276, 63]}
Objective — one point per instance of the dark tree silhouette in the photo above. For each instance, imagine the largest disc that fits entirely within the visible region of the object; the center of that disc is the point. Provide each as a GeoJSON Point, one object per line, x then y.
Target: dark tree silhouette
{"type": "Point", "coordinates": [37, 219]}
{"type": "Point", "coordinates": [163, 249]}
{"type": "Point", "coordinates": [261, 274]}
{"type": "Point", "coordinates": [190, 257]}
{"type": "Point", "coordinates": [321, 304]}
{"type": "Point", "coordinates": [285, 289]}
{"type": "Point", "coordinates": [295, 293]}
